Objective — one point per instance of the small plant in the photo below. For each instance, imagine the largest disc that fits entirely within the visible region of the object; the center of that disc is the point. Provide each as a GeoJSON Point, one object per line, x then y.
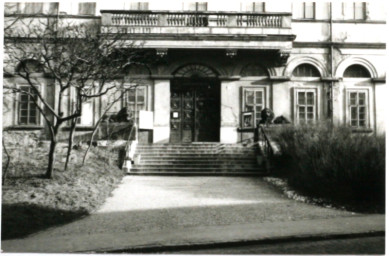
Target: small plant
{"type": "Point", "coordinates": [334, 164]}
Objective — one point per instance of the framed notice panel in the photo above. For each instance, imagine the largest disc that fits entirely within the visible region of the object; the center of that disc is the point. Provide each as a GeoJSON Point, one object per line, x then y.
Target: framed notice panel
{"type": "Point", "coordinates": [146, 120]}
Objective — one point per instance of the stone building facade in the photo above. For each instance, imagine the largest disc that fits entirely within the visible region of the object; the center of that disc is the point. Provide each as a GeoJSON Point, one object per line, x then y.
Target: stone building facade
{"type": "Point", "coordinates": [222, 64]}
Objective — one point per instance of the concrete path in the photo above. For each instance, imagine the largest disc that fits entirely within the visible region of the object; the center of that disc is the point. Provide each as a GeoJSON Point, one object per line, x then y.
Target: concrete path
{"type": "Point", "coordinates": [151, 211]}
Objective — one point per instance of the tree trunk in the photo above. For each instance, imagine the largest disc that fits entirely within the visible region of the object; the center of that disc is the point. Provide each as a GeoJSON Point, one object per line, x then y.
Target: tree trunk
{"type": "Point", "coordinates": [91, 141]}
{"type": "Point", "coordinates": [50, 167]}
{"type": "Point", "coordinates": [53, 144]}
{"type": "Point", "coordinates": [70, 141]}
{"type": "Point", "coordinates": [5, 170]}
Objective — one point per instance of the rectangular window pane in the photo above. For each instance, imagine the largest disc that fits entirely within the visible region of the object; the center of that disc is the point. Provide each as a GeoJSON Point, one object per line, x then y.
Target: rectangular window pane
{"type": "Point", "coordinates": [249, 97]}
{"type": "Point", "coordinates": [259, 7]}
{"type": "Point", "coordinates": [249, 108]}
{"type": "Point", "coordinates": [258, 97]}
{"type": "Point", "coordinates": [310, 98]}
{"type": "Point", "coordinates": [131, 96]}
{"type": "Point", "coordinates": [359, 11]}
{"type": "Point", "coordinates": [309, 10]}
{"type": "Point", "coordinates": [33, 8]}
{"type": "Point", "coordinates": [353, 98]}
{"type": "Point", "coordinates": [202, 6]}
{"type": "Point", "coordinates": [301, 98]}
{"type": "Point", "coordinates": [362, 97]}
{"type": "Point", "coordinates": [354, 113]}
{"type": "Point", "coordinates": [140, 92]}
{"type": "Point", "coordinates": [309, 109]}
{"type": "Point", "coordinates": [301, 110]}
{"type": "Point", "coordinates": [310, 116]}
{"type": "Point", "coordinates": [354, 123]}
{"type": "Point", "coordinates": [87, 8]}
{"type": "Point", "coordinates": [362, 123]}
{"type": "Point", "coordinates": [258, 109]}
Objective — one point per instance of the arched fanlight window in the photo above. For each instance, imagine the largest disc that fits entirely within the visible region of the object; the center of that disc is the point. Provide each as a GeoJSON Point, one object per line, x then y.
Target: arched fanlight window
{"type": "Point", "coordinates": [356, 71]}
{"type": "Point", "coordinates": [195, 71]}
{"type": "Point", "coordinates": [137, 70]}
{"type": "Point", "coordinates": [253, 70]}
{"type": "Point", "coordinates": [306, 70]}
{"type": "Point", "coordinates": [29, 66]}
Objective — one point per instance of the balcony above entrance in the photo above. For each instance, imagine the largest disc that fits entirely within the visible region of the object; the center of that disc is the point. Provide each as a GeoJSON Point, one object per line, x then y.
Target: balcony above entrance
{"type": "Point", "coordinates": [183, 29]}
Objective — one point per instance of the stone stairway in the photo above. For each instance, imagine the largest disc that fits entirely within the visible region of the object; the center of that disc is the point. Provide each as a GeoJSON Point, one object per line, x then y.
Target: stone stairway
{"type": "Point", "coordinates": [196, 159]}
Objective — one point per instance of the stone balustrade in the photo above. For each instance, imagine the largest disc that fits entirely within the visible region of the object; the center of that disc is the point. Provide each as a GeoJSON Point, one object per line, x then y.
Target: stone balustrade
{"type": "Point", "coordinates": [195, 19]}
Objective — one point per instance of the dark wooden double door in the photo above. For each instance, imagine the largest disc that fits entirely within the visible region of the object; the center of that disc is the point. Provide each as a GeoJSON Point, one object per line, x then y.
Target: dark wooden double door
{"type": "Point", "coordinates": [194, 111]}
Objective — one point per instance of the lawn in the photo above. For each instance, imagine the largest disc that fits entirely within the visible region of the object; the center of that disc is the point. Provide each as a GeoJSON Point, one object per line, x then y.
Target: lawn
{"type": "Point", "coordinates": [31, 203]}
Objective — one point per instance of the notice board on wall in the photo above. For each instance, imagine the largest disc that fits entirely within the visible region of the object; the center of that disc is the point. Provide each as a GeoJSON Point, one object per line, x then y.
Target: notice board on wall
{"type": "Point", "coordinates": [146, 120]}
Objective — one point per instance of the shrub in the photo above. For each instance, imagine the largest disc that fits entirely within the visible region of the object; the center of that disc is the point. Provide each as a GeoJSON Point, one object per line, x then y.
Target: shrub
{"type": "Point", "coordinates": [335, 164]}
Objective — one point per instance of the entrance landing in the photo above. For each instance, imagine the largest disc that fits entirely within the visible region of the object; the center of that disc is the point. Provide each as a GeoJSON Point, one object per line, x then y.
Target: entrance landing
{"type": "Point", "coordinates": [147, 211]}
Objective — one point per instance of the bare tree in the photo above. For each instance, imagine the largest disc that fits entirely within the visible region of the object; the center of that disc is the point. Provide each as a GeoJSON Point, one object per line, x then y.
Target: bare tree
{"type": "Point", "coordinates": [81, 61]}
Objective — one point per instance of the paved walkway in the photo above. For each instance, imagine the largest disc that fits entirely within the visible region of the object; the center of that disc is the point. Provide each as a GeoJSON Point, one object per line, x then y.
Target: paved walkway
{"type": "Point", "coordinates": [151, 211]}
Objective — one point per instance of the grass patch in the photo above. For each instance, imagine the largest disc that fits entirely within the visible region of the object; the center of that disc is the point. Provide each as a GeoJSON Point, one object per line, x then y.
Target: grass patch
{"type": "Point", "coordinates": [31, 203]}
{"type": "Point", "coordinates": [334, 164]}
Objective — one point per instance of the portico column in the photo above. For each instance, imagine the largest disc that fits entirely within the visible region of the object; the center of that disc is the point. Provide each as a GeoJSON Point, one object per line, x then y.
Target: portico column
{"type": "Point", "coordinates": [229, 112]}
{"type": "Point", "coordinates": [161, 132]}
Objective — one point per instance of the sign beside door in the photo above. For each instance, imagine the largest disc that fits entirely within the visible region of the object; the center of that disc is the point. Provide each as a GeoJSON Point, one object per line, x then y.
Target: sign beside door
{"type": "Point", "coordinates": [146, 120]}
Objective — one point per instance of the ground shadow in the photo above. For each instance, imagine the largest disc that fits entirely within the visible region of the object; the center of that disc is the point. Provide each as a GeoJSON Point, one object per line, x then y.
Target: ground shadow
{"type": "Point", "coordinates": [22, 219]}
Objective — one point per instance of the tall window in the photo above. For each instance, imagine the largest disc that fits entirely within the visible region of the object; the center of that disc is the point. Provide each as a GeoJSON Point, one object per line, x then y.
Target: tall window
{"type": "Point", "coordinates": [33, 8]}
{"type": "Point", "coordinates": [254, 101]}
{"type": "Point", "coordinates": [354, 10]}
{"type": "Point", "coordinates": [28, 112]}
{"type": "Point", "coordinates": [87, 8]}
{"type": "Point", "coordinates": [139, 6]}
{"type": "Point", "coordinates": [255, 7]}
{"type": "Point", "coordinates": [357, 107]}
{"type": "Point", "coordinates": [198, 6]}
{"type": "Point", "coordinates": [306, 106]}
{"type": "Point", "coordinates": [308, 10]}
{"type": "Point", "coordinates": [136, 100]}
{"type": "Point", "coordinates": [86, 118]}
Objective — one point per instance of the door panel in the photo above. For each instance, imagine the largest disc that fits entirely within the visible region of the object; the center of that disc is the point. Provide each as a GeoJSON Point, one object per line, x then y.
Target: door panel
{"type": "Point", "coordinates": [195, 112]}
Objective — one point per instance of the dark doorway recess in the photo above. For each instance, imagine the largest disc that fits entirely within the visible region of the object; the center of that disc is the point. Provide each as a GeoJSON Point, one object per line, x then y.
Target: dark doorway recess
{"type": "Point", "coordinates": [194, 110]}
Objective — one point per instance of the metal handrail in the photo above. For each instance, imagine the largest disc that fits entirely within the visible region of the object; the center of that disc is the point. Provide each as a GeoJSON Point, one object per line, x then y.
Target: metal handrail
{"type": "Point", "coordinates": [133, 128]}
{"type": "Point", "coordinates": [262, 137]}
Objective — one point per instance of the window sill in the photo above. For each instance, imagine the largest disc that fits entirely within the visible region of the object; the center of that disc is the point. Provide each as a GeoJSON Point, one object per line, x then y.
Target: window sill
{"type": "Point", "coordinates": [79, 128]}
{"type": "Point", "coordinates": [361, 130]}
{"type": "Point", "coordinates": [244, 129]}
{"type": "Point", "coordinates": [25, 127]}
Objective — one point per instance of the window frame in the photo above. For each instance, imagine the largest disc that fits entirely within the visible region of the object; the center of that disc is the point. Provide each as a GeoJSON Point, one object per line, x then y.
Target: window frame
{"type": "Point", "coordinates": [145, 103]}
{"type": "Point", "coordinates": [354, 10]}
{"type": "Point", "coordinates": [85, 3]}
{"type": "Point", "coordinates": [316, 105]}
{"type": "Point", "coordinates": [139, 6]}
{"type": "Point", "coordinates": [348, 108]}
{"type": "Point", "coordinates": [254, 105]}
{"type": "Point", "coordinates": [305, 11]}
{"type": "Point", "coordinates": [18, 108]}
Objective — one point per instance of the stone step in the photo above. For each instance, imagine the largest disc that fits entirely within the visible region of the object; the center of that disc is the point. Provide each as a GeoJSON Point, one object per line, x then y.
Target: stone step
{"type": "Point", "coordinates": [179, 151]}
{"type": "Point", "coordinates": [199, 161]}
{"type": "Point", "coordinates": [196, 158]}
{"type": "Point", "coordinates": [196, 147]}
{"type": "Point", "coordinates": [252, 154]}
{"type": "Point", "coordinates": [207, 165]}
{"type": "Point", "coordinates": [194, 173]}
{"type": "Point", "coordinates": [193, 169]}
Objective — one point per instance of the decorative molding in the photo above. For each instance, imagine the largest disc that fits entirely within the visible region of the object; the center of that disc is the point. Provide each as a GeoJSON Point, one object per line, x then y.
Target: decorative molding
{"type": "Point", "coordinates": [339, 45]}
{"type": "Point", "coordinates": [279, 78]}
{"type": "Point", "coordinates": [231, 53]}
{"type": "Point", "coordinates": [298, 60]}
{"type": "Point", "coordinates": [339, 21]}
{"type": "Point", "coordinates": [229, 78]}
{"type": "Point", "coordinates": [352, 61]}
{"type": "Point", "coordinates": [161, 52]}
{"type": "Point", "coordinates": [329, 79]}
{"type": "Point", "coordinates": [282, 57]}
{"type": "Point", "coordinates": [379, 80]}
